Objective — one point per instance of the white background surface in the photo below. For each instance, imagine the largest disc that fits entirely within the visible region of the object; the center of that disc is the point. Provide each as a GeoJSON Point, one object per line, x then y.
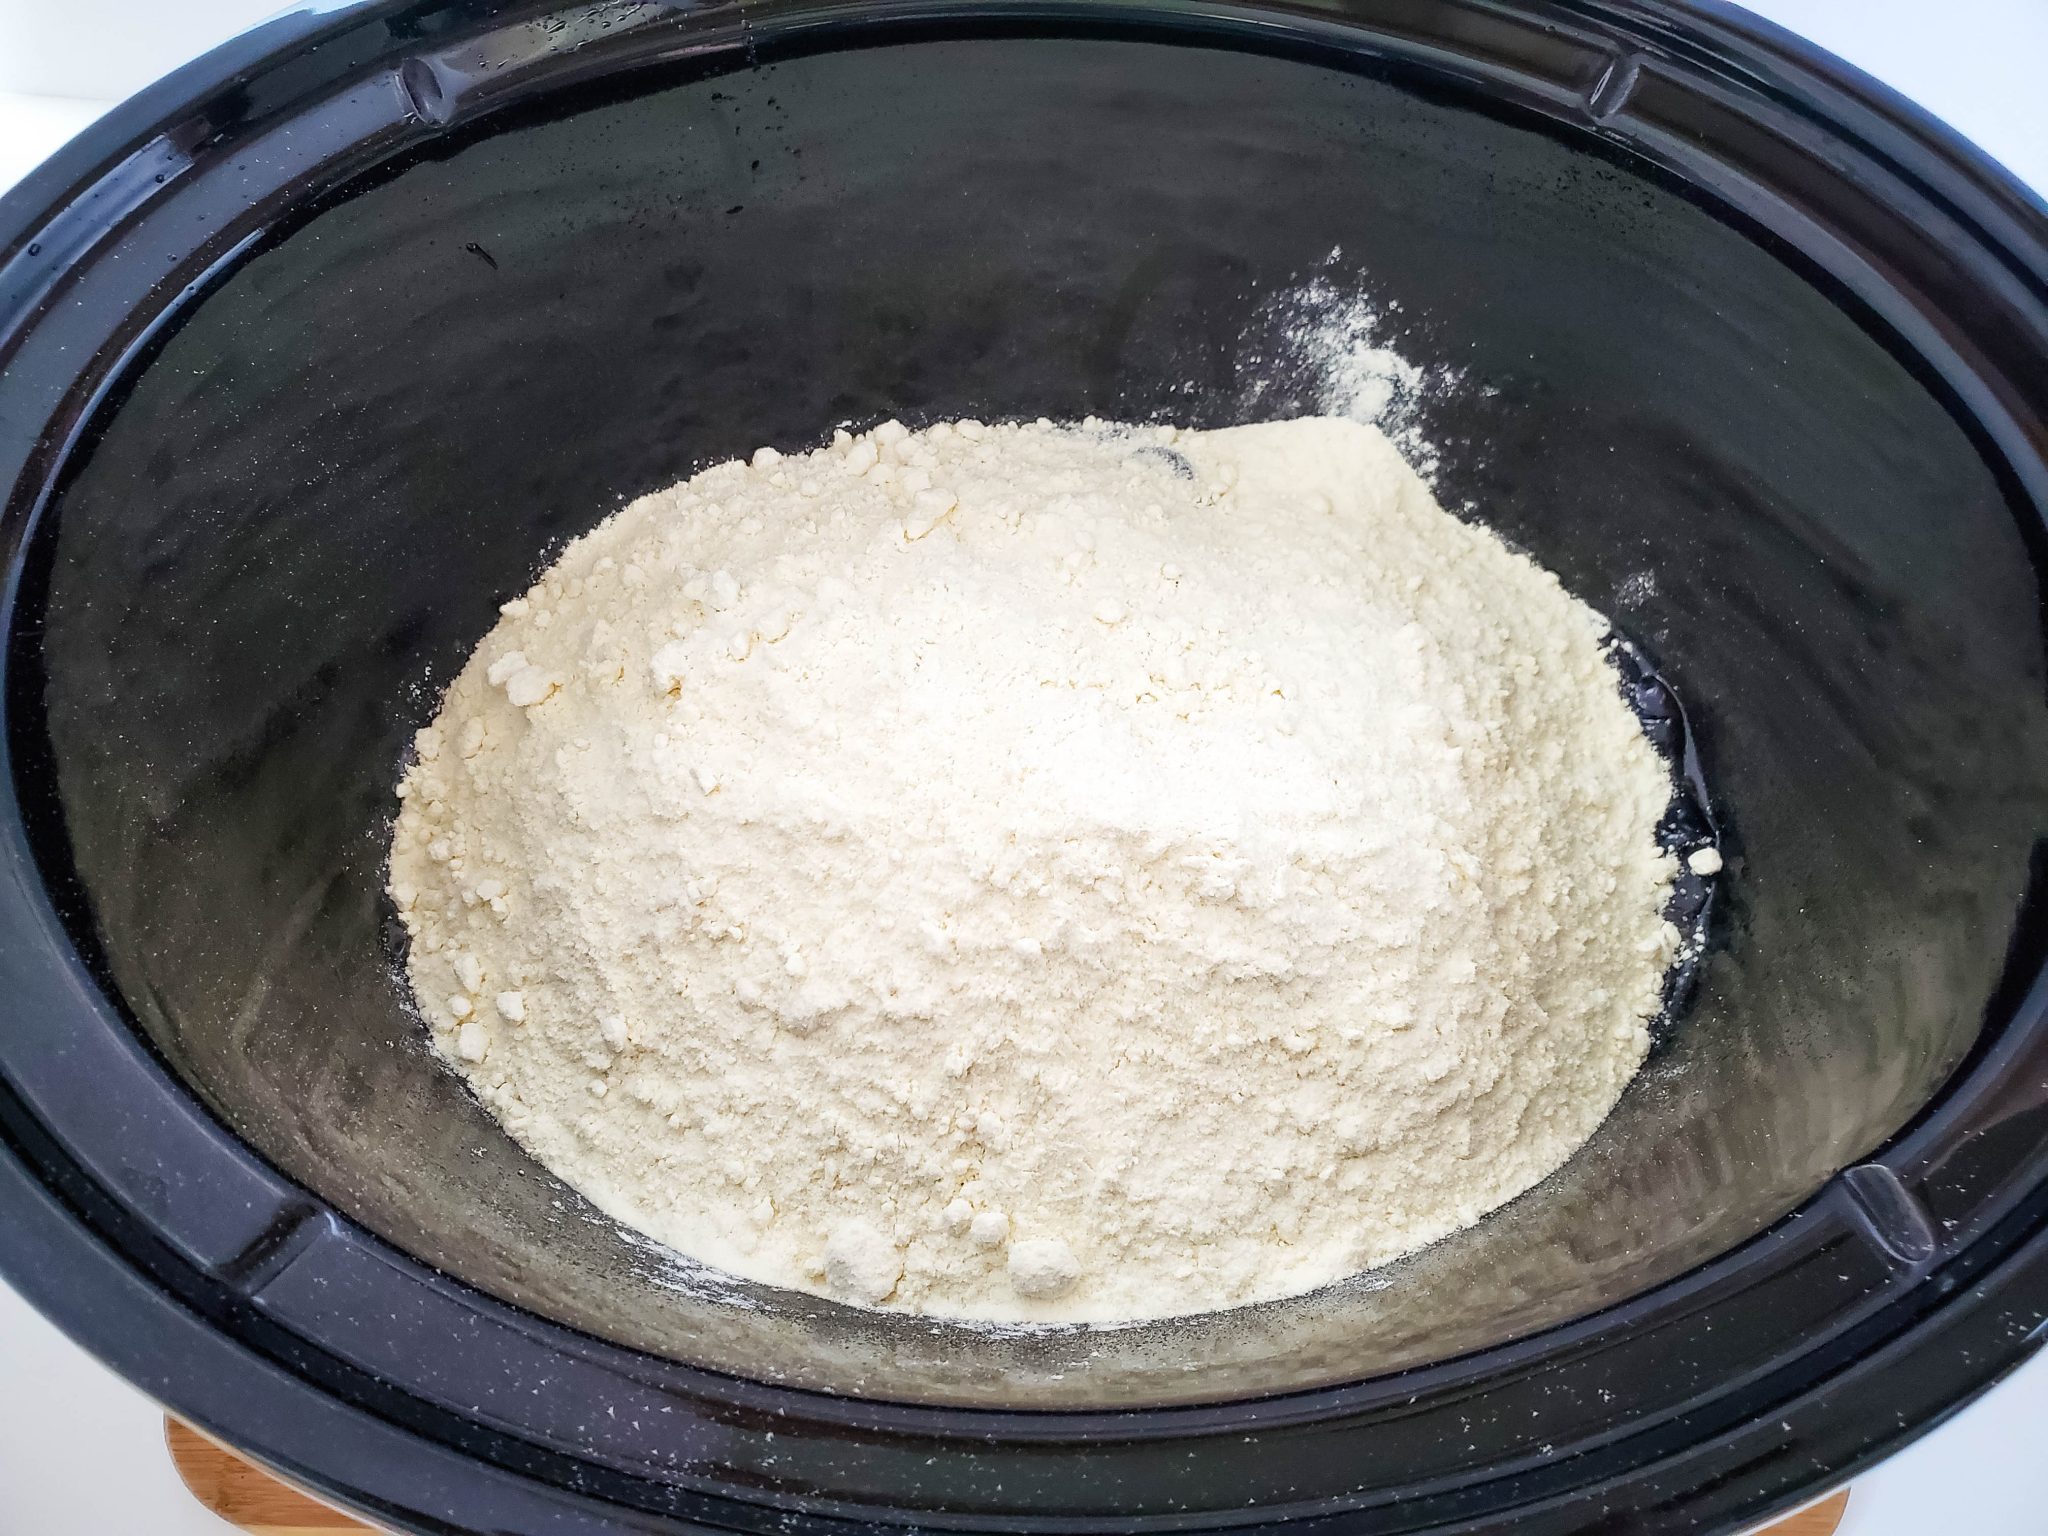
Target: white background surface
{"type": "Point", "coordinates": [82, 1453]}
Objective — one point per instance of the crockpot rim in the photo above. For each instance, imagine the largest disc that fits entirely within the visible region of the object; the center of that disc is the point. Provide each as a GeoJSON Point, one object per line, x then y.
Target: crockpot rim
{"type": "Point", "coordinates": [90, 1247]}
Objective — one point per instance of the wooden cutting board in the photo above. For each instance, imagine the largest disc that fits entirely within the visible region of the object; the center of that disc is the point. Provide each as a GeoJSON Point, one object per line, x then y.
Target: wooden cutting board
{"type": "Point", "coordinates": [251, 1499]}
{"type": "Point", "coordinates": [245, 1495]}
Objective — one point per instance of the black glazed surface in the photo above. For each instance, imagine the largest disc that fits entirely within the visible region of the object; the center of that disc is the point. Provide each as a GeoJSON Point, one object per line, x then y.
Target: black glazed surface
{"type": "Point", "coordinates": [366, 436]}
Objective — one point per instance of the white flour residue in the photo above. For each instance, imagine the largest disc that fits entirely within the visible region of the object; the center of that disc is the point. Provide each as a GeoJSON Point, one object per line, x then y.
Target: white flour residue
{"type": "Point", "coordinates": [1320, 347]}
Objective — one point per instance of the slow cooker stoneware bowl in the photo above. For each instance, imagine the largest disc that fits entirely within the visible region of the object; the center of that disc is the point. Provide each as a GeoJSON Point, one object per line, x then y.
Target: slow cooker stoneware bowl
{"type": "Point", "coordinates": [313, 350]}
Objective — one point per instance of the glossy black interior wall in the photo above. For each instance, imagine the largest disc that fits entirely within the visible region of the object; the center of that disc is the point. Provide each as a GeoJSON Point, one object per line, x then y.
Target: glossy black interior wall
{"type": "Point", "coordinates": [301, 515]}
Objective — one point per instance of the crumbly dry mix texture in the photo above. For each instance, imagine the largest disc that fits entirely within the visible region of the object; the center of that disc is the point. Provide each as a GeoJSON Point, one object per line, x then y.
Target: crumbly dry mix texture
{"type": "Point", "coordinates": [1034, 872]}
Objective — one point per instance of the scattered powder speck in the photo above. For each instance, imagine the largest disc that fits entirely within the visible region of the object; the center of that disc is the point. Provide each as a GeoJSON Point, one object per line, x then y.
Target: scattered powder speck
{"type": "Point", "coordinates": [1636, 589]}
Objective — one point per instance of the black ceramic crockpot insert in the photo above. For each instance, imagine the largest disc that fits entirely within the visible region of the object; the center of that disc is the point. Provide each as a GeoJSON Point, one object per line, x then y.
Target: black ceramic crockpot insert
{"type": "Point", "coordinates": [314, 351]}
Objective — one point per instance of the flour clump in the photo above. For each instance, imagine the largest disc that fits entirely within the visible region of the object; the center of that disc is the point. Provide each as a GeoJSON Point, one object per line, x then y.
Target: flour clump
{"type": "Point", "coordinates": [1041, 872]}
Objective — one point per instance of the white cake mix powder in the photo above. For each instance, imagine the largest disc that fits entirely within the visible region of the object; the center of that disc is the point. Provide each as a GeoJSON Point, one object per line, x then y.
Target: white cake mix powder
{"type": "Point", "coordinates": [1033, 872]}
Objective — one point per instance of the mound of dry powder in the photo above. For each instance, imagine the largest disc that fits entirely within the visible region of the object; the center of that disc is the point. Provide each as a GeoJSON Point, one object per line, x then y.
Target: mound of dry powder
{"type": "Point", "coordinates": [1040, 872]}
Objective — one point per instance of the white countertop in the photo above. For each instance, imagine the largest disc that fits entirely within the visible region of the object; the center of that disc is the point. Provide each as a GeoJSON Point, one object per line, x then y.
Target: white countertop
{"type": "Point", "coordinates": [82, 1453]}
